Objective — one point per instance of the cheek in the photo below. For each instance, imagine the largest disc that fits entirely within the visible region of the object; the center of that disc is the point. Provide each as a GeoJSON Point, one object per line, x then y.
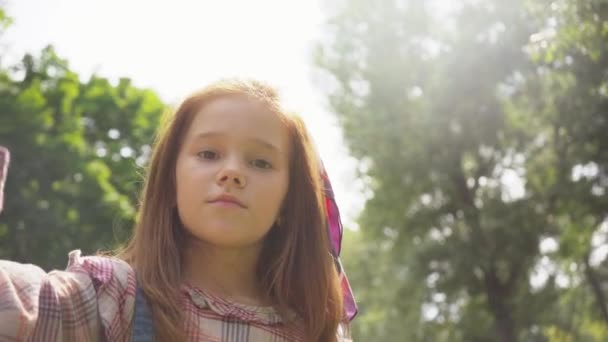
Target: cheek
{"type": "Point", "coordinates": [279, 194]}
{"type": "Point", "coordinates": [268, 198]}
{"type": "Point", "coordinates": [190, 180]}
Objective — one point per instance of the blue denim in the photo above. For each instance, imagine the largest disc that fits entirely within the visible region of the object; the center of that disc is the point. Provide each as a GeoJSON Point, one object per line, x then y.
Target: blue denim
{"type": "Point", "coordinates": [143, 325]}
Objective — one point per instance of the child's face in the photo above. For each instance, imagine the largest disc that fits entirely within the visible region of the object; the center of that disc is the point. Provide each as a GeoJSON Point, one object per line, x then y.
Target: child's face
{"type": "Point", "coordinates": [237, 149]}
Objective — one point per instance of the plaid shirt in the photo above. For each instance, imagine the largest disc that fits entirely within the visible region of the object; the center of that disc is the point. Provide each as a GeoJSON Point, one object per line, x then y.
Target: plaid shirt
{"type": "Point", "coordinates": [93, 300]}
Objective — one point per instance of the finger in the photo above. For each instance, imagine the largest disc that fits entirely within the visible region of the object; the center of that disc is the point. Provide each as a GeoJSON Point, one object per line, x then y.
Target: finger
{"type": "Point", "coordinates": [4, 161]}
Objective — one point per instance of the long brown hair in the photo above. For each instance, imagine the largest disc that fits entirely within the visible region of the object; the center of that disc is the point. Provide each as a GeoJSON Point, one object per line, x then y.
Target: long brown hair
{"type": "Point", "coordinates": [295, 266]}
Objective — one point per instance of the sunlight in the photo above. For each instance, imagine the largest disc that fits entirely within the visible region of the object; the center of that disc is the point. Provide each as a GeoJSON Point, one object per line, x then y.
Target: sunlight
{"type": "Point", "coordinates": [176, 47]}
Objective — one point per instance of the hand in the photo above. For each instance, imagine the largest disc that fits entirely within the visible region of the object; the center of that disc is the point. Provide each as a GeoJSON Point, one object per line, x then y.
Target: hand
{"type": "Point", "coordinates": [4, 161]}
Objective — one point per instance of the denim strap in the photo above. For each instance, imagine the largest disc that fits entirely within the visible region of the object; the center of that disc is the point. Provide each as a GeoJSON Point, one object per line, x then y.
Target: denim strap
{"type": "Point", "coordinates": [143, 325]}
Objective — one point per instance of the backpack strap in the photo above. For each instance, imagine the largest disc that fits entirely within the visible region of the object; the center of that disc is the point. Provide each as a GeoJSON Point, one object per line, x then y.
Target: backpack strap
{"type": "Point", "coordinates": [143, 325]}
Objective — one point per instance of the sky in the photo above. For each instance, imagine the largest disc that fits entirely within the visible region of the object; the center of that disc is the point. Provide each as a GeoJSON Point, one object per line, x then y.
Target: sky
{"type": "Point", "coordinates": [176, 47]}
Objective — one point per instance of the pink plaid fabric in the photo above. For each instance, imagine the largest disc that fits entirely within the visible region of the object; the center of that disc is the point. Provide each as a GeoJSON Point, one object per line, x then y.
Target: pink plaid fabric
{"type": "Point", "coordinates": [334, 225]}
{"type": "Point", "coordinates": [93, 300]}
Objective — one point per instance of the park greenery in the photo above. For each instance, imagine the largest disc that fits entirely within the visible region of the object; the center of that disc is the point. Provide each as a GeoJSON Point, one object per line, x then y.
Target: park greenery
{"type": "Point", "coordinates": [481, 134]}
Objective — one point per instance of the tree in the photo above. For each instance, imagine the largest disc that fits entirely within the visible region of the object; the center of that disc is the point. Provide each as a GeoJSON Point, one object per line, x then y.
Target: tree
{"type": "Point", "coordinates": [442, 113]}
{"type": "Point", "coordinates": [561, 115]}
{"type": "Point", "coordinates": [76, 151]}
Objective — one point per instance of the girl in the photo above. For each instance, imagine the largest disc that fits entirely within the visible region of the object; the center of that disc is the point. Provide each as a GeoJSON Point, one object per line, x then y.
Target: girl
{"type": "Point", "coordinates": [231, 241]}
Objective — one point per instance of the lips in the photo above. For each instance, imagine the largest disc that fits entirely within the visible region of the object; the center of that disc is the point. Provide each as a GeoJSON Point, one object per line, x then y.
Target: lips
{"type": "Point", "coordinates": [226, 199]}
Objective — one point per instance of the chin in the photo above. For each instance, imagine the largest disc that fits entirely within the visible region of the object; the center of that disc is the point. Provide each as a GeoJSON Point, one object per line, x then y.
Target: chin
{"type": "Point", "coordinates": [226, 236]}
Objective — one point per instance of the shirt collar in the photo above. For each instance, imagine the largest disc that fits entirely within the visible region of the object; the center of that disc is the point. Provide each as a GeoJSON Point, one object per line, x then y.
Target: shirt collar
{"type": "Point", "coordinates": [249, 313]}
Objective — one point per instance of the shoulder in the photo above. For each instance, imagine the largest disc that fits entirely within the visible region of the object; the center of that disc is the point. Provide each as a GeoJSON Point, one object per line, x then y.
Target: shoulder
{"type": "Point", "coordinates": [114, 284]}
{"type": "Point", "coordinates": [94, 293]}
{"type": "Point", "coordinates": [102, 270]}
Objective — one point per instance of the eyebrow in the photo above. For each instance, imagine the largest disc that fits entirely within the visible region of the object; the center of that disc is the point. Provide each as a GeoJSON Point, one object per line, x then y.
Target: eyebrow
{"type": "Point", "coordinates": [258, 141]}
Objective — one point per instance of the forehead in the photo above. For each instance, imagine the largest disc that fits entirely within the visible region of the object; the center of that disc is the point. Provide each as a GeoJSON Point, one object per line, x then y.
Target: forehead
{"type": "Point", "coordinates": [241, 119]}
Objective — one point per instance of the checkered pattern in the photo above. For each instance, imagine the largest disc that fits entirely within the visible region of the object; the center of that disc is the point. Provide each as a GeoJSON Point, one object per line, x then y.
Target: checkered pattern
{"type": "Point", "coordinates": [334, 225]}
{"type": "Point", "coordinates": [93, 300]}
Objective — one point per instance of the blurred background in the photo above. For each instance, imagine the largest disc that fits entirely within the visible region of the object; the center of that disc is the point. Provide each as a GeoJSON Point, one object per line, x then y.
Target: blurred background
{"type": "Point", "coordinates": [467, 141]}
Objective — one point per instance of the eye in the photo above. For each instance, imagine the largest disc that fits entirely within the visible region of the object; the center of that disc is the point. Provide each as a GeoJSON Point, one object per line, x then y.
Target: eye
{"type": "Point", "coordinates": [261, 164]}
{"type": "Point", "coordinates": [210, 155]}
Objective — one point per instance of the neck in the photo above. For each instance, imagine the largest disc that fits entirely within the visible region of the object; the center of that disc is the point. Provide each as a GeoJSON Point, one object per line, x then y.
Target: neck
{"type": "Point", "coordinates": [226, 272]}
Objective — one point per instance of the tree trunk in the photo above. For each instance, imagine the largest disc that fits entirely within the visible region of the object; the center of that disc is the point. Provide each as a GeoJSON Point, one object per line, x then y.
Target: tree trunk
{"type": "Point", "coordinates": [497, 300]}
{"type": "Point", "coordinates": [596, 287]}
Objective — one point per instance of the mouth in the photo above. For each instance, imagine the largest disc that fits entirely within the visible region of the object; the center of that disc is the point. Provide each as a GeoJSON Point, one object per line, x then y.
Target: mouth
{"type": "Point", "coordinates": [227, 201]}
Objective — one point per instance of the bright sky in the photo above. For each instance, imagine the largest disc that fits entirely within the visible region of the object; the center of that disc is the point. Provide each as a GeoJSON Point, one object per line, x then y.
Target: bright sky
{"type": "Point", "coordinates": [178, 46]}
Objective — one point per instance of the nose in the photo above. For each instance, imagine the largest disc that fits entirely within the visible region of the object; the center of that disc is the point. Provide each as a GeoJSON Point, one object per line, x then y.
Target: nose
{"type": "Point", "coordinates": [231, 177]}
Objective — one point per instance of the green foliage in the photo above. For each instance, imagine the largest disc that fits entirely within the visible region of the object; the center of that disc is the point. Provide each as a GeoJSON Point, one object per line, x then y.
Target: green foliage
{"type": "Point", "coordinates": [470, 129]}
{"type": "Point", "coordinates": [482, 134]}
{"type": "Point", "coordinates": [77, 148]}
